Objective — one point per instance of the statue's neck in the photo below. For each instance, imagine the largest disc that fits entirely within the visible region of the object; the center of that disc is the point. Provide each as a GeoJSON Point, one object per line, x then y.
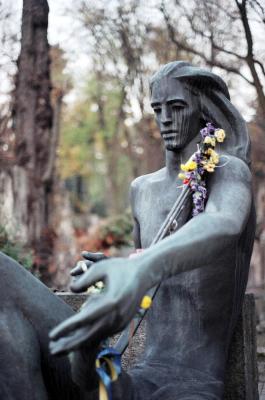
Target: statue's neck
{"type": "Point", "coordinates": [175, 158]}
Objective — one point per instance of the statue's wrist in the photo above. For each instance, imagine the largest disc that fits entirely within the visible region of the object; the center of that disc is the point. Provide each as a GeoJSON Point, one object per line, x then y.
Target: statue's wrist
{"type": "Point", "coordinates": [144, 274]}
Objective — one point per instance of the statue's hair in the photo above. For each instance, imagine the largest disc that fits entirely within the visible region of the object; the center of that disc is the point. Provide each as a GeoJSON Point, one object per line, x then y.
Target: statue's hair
{"type": "Point", "coordinates": [215, 104]}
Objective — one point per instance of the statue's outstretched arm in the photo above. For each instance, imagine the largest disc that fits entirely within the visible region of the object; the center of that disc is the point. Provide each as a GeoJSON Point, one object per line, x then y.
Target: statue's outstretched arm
{"type": "Point", "coordinates": [198, 243]}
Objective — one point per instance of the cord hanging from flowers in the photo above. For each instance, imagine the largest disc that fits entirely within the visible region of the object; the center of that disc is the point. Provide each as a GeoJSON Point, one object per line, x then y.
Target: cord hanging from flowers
{"type": "Point", "coordinates": [203, 160]}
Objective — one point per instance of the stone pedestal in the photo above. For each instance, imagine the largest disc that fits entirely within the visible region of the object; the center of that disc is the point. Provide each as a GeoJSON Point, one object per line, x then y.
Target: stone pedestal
{"type": "Point", "coordinates": [241, 376]}
{"type": "Point", "coordinates": [242, 372]}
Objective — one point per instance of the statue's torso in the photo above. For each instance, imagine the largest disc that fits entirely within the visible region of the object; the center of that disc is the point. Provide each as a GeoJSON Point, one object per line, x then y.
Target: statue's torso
{"type": "Point", "coordinates": [190, 322]}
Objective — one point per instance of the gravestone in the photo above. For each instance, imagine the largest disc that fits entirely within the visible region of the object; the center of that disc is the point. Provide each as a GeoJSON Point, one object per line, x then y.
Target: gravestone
{"type": "Point", "coordinates": [241, 381]}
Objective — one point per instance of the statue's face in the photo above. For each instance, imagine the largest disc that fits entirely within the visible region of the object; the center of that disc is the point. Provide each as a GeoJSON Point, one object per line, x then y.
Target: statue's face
{"type": "Point", "coordinates": [177, 112]}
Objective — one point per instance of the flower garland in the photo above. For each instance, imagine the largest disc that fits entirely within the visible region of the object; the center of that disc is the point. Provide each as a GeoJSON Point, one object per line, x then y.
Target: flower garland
{"type": "Point", "coordinates": [204, 159]}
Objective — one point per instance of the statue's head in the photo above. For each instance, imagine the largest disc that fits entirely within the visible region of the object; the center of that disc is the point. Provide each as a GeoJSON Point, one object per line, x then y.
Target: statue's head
{"type": "Point", "coordinates": [185, 97]}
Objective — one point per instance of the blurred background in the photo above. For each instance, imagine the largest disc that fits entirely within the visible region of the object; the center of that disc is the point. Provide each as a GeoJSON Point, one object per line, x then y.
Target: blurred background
{"type": "Point", "coordinates": [76, 126]}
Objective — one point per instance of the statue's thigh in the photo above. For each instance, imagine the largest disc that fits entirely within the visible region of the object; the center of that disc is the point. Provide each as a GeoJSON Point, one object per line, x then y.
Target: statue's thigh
{"type": "Point", "coordinates": [28, 311]}
{"type": "Point", "coordinates": [21, 290]}
{"type": "Point", "coordinates": [20, 365]}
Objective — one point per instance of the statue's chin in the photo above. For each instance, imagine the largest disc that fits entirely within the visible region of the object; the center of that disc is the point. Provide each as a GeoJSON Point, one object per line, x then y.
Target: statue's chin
{"type": "Point", "coordinates": [173, 147]}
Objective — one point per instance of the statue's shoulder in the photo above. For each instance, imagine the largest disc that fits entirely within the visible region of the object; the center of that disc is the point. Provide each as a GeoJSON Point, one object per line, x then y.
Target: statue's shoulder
{"type": "Point", "coordinates": [231, 171]}
{"type": "Point", "coordinates": [146, 181]}
{"type": "Point", "coordinates": [235, 166]}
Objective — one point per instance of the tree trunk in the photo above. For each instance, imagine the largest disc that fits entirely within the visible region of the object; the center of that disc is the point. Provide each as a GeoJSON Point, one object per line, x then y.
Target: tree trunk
{"type": "Point", "coordinates": [242, 7]}
{"type": "Point", "coordinates": [32, 114]}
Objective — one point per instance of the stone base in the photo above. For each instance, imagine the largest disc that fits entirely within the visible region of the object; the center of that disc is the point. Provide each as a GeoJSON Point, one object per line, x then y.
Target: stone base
{"type": "Point", "coordinates": [242, 371]}
{"type": "Point", "coordinates": [241, 377]}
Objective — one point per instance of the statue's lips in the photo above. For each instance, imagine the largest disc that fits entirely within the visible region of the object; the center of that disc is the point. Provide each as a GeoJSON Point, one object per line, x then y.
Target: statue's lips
{"type": "Point", "coordinates": [169, 134]}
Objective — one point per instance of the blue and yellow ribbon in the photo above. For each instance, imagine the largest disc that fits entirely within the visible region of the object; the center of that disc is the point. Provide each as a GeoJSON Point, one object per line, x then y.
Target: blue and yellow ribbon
{"type": "Point", "coordinates": [108, 368]}
{"type": "Point", "coordinates": [108, 361]}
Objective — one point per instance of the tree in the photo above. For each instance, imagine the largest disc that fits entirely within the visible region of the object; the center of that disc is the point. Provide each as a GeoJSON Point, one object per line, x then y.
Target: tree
{"type": "Point", "coordinates": [91, 154]}
{"type": "Point", "coordinates": [220, 34]}
{"type": "Point", "coordinates": [116, 44]}
{"type": "Point", "coordinates": [33, 120]}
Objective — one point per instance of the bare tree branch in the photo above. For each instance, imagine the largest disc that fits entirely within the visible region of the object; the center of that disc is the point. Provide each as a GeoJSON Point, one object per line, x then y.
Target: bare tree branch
{"type": "Point", "coordinates": [242, 7]}
{"type": "Point", "coordinates": [260, 65]}
{"type": "Point", "coordinates": [258, 8]}
{"type": "Point", "coordinates": [209, 37]}
{"type": "Point", "coordinates": [190, 49]}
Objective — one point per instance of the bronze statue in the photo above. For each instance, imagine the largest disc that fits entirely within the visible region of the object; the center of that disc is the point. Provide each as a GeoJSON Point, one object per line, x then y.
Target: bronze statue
{"type": "Point", "coordinates": [203, 267]}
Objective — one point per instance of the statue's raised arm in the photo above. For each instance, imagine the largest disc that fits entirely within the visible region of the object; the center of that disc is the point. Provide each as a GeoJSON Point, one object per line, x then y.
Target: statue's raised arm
{"type": "Point", "coordinates": [203, 266]}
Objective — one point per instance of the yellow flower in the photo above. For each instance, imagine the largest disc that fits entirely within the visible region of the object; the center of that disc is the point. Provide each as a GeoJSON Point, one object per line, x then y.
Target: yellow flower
{"type": "Point", "coordinates": [209, 167]}
{"type": "Point", "coordinates": [146, 302]}
{"type": "Point", "coordinates": [209, 140]}
{"type": "Point", "coordinates": [220, 135]}
{"type": "Point", "coordinates": [214, 159]}
{"type": "Point", "coordinates": [189, 166]}
{"type": "Point", "coordinates": [214, 156]}
{"type": "Point", "coordinates": [209, 151]}
{"type": "Point", "coordinates": [182, 176]}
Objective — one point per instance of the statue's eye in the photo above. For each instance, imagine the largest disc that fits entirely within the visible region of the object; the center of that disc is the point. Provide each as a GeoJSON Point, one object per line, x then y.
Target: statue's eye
{"type": "Point", "coordinates": [157, 109]}
{"type": "Point", "coordinates": [177, 105]}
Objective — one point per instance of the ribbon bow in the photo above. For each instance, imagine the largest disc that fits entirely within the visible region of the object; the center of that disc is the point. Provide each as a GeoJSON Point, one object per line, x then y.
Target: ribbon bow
{"type": "Point", "coordinates": [108, 368]}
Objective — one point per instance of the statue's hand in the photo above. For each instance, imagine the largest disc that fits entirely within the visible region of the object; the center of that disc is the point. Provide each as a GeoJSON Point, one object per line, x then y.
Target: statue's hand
{"type": "Point", "coordinates": [106, 313]}
{"type": "Point", "coordinates": [90, 259]}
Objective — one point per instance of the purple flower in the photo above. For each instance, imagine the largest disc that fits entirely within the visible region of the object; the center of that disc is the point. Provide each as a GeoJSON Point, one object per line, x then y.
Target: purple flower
{"type": "Point", "coordinates": [210, 128]}
{"type": "Point", "coordinates": [198, 157]}
{"type": "Point", "coordinates": [193, 186]}
{"type": "Point", "coordinates": [191, 175]}
{"type": "Point", "coordinates": [204, 132]}
{"type": "Point", "coordinates": [195, 178]}
{"type": "Point", "coordinates": [202, 190]}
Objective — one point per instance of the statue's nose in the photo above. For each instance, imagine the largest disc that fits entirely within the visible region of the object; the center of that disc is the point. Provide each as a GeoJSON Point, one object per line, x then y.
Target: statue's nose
{"type": "Point", "coordinates": [166, 115]}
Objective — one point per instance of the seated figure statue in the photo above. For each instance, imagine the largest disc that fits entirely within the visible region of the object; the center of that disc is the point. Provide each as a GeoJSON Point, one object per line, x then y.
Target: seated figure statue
{"type": "Point", "coordinates": [203, 267]}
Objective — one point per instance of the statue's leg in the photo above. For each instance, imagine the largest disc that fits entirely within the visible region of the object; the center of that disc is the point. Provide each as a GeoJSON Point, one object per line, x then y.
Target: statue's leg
{"type": "Point", "coordinates": [28, 311]}
{"type": "Point", "coordinates": [20, 359]}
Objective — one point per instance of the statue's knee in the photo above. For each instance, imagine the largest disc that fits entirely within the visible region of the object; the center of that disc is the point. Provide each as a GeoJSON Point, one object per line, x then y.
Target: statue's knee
{"type": "Point", "coordinates": [11, 274]}
{"type": "Point", "coordinates": [3, 259]}
{"type": "Point", "coordinates": [7, 262]}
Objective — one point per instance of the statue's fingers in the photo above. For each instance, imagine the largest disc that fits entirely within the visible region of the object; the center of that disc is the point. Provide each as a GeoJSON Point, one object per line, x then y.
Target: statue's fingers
{"type": "Point", "coordinates": [69, 343]}
{"type": "Point", "coordinates": [80, 268]}
{"type": "Point", "coordinates": [75, 341]}
{"type": "Point", "coordinates": [77, 270]}
{"type": "Point", "coordinates": [86, 316]}
{"type": "Point", "coordinates": [88, 279]}
{"type": "Point", "coordinates": [93, 256]}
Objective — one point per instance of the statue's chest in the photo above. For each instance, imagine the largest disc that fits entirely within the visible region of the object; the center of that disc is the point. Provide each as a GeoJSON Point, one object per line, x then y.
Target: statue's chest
{"type": "Point", "coordinates": [153, 205]}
